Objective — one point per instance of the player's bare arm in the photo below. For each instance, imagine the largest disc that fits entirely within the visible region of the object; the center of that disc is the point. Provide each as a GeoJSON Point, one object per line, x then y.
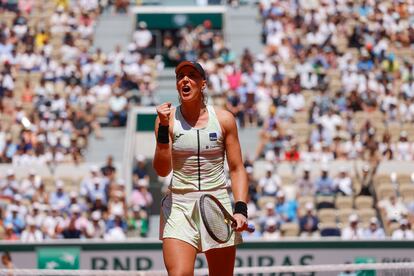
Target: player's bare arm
{"type": "Point", "coordinates": [162, 157]}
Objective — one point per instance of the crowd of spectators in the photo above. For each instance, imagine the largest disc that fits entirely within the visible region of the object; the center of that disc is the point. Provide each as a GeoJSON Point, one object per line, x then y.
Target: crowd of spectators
{"type": "Point", "coordinates": [56, 91]}
{"type": "Point", "coordinates": [333, 83]}
{"type": "Point", "coordinates": [100, 209]}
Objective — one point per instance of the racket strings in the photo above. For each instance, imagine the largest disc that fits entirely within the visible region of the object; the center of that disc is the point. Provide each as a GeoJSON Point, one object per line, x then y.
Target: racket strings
{"type": "Point", "coordinates": [215, 220]}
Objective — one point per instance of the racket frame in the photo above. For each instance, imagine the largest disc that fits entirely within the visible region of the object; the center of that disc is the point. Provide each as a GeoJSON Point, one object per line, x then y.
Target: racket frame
{"type": "Point", "coordinates": [227, 216]}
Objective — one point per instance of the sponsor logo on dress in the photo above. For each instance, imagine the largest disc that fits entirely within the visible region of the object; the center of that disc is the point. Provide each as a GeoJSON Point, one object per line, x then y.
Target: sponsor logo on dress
{"type": "Point", "coordinates": [213, 136]}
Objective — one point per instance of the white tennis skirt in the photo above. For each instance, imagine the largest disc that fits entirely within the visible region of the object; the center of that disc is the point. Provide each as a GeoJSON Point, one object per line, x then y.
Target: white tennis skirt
{"type": "Point", "coordinates": [180, 219]}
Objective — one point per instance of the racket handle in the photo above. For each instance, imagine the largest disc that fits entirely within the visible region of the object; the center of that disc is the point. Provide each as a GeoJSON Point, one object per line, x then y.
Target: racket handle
{"type": "Point", "coordinates": [250, 228]}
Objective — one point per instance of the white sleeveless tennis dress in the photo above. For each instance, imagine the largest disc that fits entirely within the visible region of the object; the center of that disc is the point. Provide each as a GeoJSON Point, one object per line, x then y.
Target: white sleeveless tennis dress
{"type": "Point", "coordinates": [198, 168]}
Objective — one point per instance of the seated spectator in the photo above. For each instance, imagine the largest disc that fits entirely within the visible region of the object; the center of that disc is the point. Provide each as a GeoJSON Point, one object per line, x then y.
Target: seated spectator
{"type": "Point", "coordinates": [37, 214]}
{"type": "Point", "coordinates": [284, 112]}
{"type": "Point", "coordinates": [304, 185]}
{"type": "Point", "coordinates": [329, 121]}
{"type": "Point", "coordinates": [15, 220]}
{"type": "Point", "coordinates": [52, 223]}
{"type": "Point", "coordinates": [268, 213]}
{"type": "Point", "coordinates": [96, 228]}
{"type": "Point", "coordinates": [60, 198]}
{"type": "Point", "coordinates": [9, 186]}
{"type": "Point", "coordinates": [353, 231]}
{"type": "Point", "coordinates": [374, 230]}
{"type": "Point", "coordinates": [140, 195]}
{"type": "Point", "coordinates": [292, 155]}
{"type": "Point", "coordinates": [31, 232]}
{"type": "Point", "coordinates": [142, 36]}
{"type": "Point", "coordinates": [116, 220]}
{"type": "Point", "coordinates": [287, 209]}
{"type": "Point", "coordinates": [41, 195]}
{"type": "Point", "coordinates": [81, 222]}
{"type": "Point", "coordinates": [325, 185]}
{"type": "Point", "coordinates": [139, 221]}
{"type": "Point", "coordinates": [353, 148]}
{"type": "Point", "coordinates": [343, 183]}
{"type": "Point", "coordinates": [97, 190]}
{"type": "Point", "coordinates": [140, 170]}
{"type": "Point", "coordinates": [270, 183]}
{"type": "Point", "coordinates": [87, 182]}
{"type": "Point", "coordinates": [404, 232]}
{"type": "Point", "coordinates": [308, 224]}
{"type": "Point", "coordinates": [116, 233]}
{"type": "Point", "coordinates": [404, 149]}
{"type": "Point", "coordinates": [118, 109]}
{"type": "Point", "coordinates": [99, 205]}
{"type": "Point", "coordinates": [29, 185]}
{"type": "Point", "coordinates": [23, 209]}
{"type": "Point", "coordinates": [108, 170]}
{"type": "Point", "coordinates": [76, 200]}
{"type": "Point", "coordinates": [70, 231]}
{"type": "Point", "coordinates": [393, 207]}
{"type": "Point", "coordinates": [271, 230]}
{"type": "Point", "coordinates": [320, 133]}
{"type": "Point", "coordinates": [9, 234]}
{"type": "Point", "coordinates": [117, 204]}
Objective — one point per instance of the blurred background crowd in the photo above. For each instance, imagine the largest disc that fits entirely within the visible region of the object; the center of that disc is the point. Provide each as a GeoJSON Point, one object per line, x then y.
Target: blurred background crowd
{"type": "Point", "coordinates": [334, 82]}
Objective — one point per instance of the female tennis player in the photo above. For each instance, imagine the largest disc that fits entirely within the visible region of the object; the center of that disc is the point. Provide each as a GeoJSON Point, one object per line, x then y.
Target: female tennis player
{"type": "Point", "coordinates": [192, 142]}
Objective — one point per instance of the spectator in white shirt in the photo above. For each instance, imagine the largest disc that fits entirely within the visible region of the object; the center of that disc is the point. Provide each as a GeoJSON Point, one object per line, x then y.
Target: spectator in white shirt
{"type": "Point", "coordinates": [270, 183]}
{"type": "Point", "coordinates": [353, 148]}
{"type": "Point", "coordinates": [394, 208]}
{"type": "Point", "coordinates": [353, 231]}
{"type": "Point", "coordinates": [404, 232]}
{"type": "Point", "coordinates": [59, 20]}
{"type": "Point", "coordinates": [31, 233]}
{"type": "Point", "coordinates": [96, 228]}
{"type": "Point", "coordinates": [271, 232]}
{"type": "Point", "coordinates": [142, 36]}
{"type": "Point", "coordinates": [87, 182]}
{"type": "Point", "coordinates": [296, 101]}
{"type": "Point", "coordinates": [29, 61]}
{"type": "Point", "coordinates": [343, 182]}
{"type": "Point", "coordinates": [102, 91]}
{"type": "Point", "coordinates": [89, 5]}
{"type": "Point", "coordinates": [117, 204]}
{"type": "Point", "coordinates": [52, 222]}
{"type": "Point", "coordinates": [330, 120]}
{"type": "Point", "coordinates": [118, 106]}
{"type": "Point", "coordinates": [404, 148]}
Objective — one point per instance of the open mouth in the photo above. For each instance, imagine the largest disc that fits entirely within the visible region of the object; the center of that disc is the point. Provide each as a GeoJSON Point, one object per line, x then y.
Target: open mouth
{"type": "Point", "coordinates": [186, 89]}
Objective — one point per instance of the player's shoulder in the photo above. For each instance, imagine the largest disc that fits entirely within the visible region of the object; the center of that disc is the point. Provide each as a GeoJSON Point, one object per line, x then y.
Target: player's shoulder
{"type": "Point", "coordinates": [224, 116]}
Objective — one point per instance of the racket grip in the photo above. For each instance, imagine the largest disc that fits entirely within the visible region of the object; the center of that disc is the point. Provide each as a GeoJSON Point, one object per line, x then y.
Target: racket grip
{"type": "Point", "coordinates": [250, 228]}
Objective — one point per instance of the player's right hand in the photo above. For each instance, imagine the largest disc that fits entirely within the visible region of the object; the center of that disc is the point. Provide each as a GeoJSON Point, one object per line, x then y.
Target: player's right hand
{"type": "Point", "coordinates": [164, 111]}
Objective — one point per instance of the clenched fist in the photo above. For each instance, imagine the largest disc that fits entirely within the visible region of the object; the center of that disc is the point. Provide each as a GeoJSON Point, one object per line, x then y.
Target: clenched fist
{"type": "Point", "coordinates": [164, 111]}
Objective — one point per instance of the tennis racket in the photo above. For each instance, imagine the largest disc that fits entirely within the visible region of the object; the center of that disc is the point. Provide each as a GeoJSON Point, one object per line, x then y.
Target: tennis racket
{"type": "Point", "coordinates": [218, 221]}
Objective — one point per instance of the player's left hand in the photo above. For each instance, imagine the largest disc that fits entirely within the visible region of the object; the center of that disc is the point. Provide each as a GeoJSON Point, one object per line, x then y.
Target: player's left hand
{"type": "Point", "coordinates": [241, 222]}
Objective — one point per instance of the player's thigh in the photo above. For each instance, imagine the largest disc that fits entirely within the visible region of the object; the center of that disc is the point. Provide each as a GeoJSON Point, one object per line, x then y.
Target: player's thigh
{"type": "Point", "coordinates": [179, 257]}
{"type": "Point", "coordinates": [221, 261]}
